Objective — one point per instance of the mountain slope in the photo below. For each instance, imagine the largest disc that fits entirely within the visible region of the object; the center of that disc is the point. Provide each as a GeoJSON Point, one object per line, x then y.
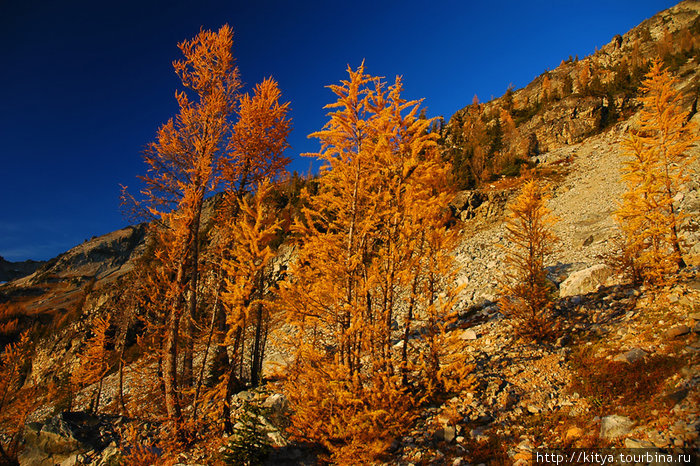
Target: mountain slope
{"type": "Point", "coordinates": [13, 270]}
{"type": "Point", "coordinates": [578, 99]}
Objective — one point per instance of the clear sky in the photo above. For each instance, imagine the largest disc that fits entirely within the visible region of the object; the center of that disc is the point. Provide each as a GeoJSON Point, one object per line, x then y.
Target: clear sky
{"type": "Point", "coordinates": [84, 85]}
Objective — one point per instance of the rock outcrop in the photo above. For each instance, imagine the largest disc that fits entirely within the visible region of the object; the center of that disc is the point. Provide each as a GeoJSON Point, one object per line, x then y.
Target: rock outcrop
{"type": "Point", "coordinates": [71, 438]}
{"type": "Point", "coordinates": [560, 113]}
{"type": "Point", "coordinates": [101, 257]}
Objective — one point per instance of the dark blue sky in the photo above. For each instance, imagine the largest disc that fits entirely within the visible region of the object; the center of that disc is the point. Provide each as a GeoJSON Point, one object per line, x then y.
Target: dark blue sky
{"type": "Point", "coordinates": [85, 84]}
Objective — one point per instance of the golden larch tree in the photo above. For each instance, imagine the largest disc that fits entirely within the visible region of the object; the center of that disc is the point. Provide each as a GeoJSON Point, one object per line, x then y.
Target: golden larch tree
{"type": "Point", "coordinates": [505, 156]}
{"type": "Point", "coordinates": [16, 401]}
{"type": "Point", "coordinates": [255, 152]}
{"type": "Point", "coordinates": [546, 90]}
{"type": "Point", "coordinates": [363, 277]}
{"type": "Point", "coordinates": [584, 77]}
{"type": "Point", "coordinates": [476, 142]}
{"type": "Point", "coordinates": [656, 165]}
{"type": "Point", "coordinates": [248, 309]}
{"type": "Point", "coordinates": [181, 171]}
{"type": "Point", "coordinates": [526, 296]}
{"type": "Point", "coordinates": [94, 361]}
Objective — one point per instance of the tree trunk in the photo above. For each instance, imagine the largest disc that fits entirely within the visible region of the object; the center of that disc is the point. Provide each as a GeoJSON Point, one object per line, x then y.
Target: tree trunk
{"type": "Point", "coordinates": [233, 383]}
{"type": "Point", "coordinates": [219, 361]}
{"type": "Point", "coordinates": [256, 366]}
{"type": "Point", "coordinates": [191, 311]}
{"type": "Point", "coordinates": [122, 351]}
{"type": "Point", "coordinates": [122, 404]}
{"type": "Point", "coordinates": [172, 401]}
{"type": "Point", "coordinates": [200, 379]}
{"type": "Point", "coordinates": [407, 332]}
{"type": "Point", "coordinates": [99, 394]}
{"type": "Point", "coordinates": [187, 352]}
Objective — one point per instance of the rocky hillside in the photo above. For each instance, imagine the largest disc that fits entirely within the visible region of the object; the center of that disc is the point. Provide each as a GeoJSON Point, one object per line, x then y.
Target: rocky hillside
{"type": "Point", "coordinates": [578, 99]}
{"type": "Point", "coordinates": [586, 189]}
{"type": "Point", "coordinates": [623, 371]}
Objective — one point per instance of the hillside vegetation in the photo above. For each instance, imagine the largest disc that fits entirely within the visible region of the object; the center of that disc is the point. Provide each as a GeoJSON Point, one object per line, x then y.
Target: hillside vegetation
{"type": "Point", "coordinates": [521, 277]}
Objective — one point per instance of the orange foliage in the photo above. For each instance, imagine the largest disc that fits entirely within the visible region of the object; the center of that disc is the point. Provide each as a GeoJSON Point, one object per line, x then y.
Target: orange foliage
{"type": "Point", "coordinates": [94, 361]}
{"type": "Point", "coordinates": [181, 165]}
{"type": "Point", "coordinates": [546, 92]}
{"type": "Point", "coordinates": [527, 298]}
{"type": "Point", "coordinates": [259, 138]}
{"type": "Point", "coordinates": [219, 139]}
{"type": "Point", "coordinates": [355, 420]}
{"type": "Point", "coordinates": [656, 167]}
{"type": "Point", "coordinates": [584, 77]}
{"type": "Point", "coordinates": [373, 267]}
{"type": "Point", "coordinates": [11, 315]}
{"type": "Point", "coordinates": [246, 301]}
{"type": "Point", "coordinates": [16, 402]}
{"type": "Point", "coordinates": [506, 156]}
{"type": "Point", "coordinates": [476, 141]}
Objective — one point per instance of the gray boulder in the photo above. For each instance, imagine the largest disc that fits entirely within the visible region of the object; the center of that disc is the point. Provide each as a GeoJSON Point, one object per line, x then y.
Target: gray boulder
{"type": "Point", "coordinates": [468, 334]}
{"type": "Point", "coordinates": [585, 281]}
{"type": "Point", "coordinates": [65, 436]}
{"type": "Point", "coordinates": [277, 402]}
{"type": "Point", "coordinates": [677, 331]}
{"type": "Point", "coordinates": [631, 356]}
{"type": "Point", "coordinates": [615, 426]}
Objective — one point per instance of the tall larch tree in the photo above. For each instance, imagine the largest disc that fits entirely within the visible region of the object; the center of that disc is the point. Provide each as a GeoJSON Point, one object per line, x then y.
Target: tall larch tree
{"type": "Point", "coordinates": [181, 171]}
{"type": "Point", "coordinates": [584, 77]}
{"type": "Point", "coordinates": [362, 279]}
{"type": "Point", "coordinates": [254, 153]}
{"type": "Point", "coordinates": [476, 141]}
{"type": "Point", "coordinates": [546, 90]}
{"type": "Point", "coordinates": [246, 297]}
{"type": "Point", "coordinates": [656, 166]}
{"type": "Point", "coordinates": [504, 143]}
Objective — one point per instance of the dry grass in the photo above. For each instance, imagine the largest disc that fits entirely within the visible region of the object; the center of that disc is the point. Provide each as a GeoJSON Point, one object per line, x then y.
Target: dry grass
{"type": "Point", "coordinates": [613, 386]}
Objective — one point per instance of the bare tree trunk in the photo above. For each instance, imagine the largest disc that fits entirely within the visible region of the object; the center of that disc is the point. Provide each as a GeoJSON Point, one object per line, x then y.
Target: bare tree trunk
{"type": "Point", "coordinates": [256, 366]}
{"type": "Point", "coordinates": [172, 401]}
{"type": "Point", "coordinates": [674, 236]}
{"type": "Point", "coordinates": [674, 229]}
{"type": "Point", "coordinates": [122, 404]}
{"type": "Point", "coordinates": [191, 311]}
{"type": "Point", "coordinates": [233, 383]}
{"type": "Point", "coordinates": [187, 351]}
{"type": "Point", "coordinates": [239, 346]}
{"type": "Point", "coordinates": [161, 377]}
{"type": "Point", "coordinates": [219, 360]}
{"type": "Point", "coordinates": [200, 379]}
{"type": "Point", "coordinates": [99, 394]}
{"type": "Point", "coordinates": [122, 352]}
{"type": "Point", "coordinates": [407, 332]}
